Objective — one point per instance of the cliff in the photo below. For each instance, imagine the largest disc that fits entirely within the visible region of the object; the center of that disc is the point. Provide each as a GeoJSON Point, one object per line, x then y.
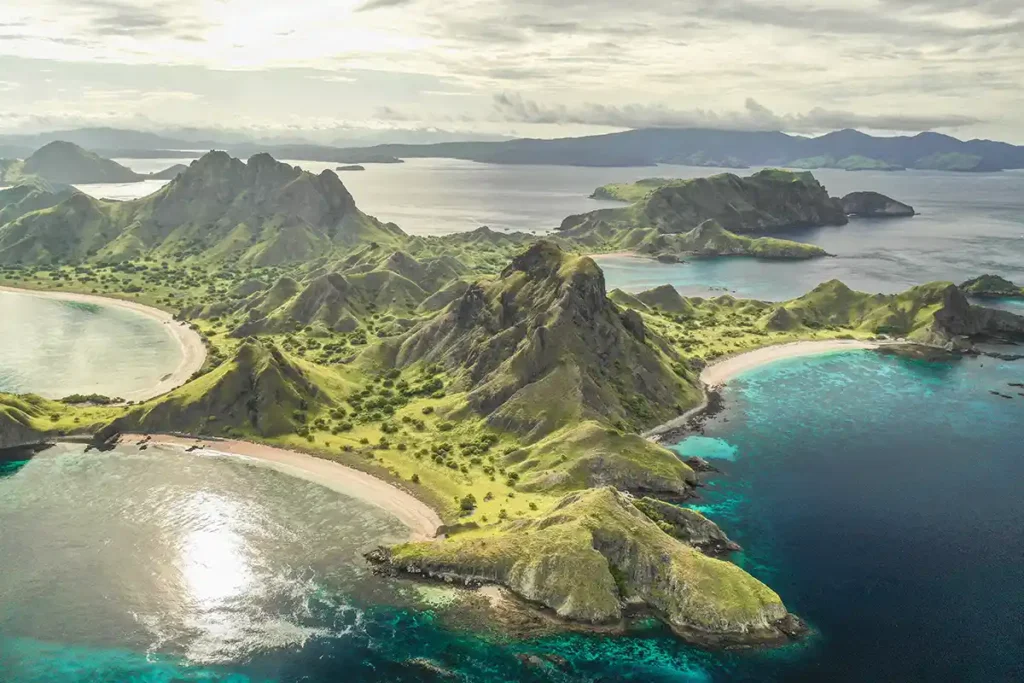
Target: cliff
{"type": "Point", "coordinates": [18, 416]}
{"type": "Point", "coordinates": [594, 552]}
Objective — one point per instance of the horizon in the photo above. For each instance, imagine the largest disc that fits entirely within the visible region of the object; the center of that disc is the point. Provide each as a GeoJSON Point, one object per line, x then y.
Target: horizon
{"type": "Point", "coordinates": [362, 72]}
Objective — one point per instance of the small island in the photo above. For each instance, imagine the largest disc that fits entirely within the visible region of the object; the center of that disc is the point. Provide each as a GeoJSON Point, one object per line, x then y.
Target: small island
{"type": "Point", "coordinates": [874, 205]}
{"type": "Point", "coordinates": [992, 287]}
{"type": "Point", "coordinates": [351, 167]}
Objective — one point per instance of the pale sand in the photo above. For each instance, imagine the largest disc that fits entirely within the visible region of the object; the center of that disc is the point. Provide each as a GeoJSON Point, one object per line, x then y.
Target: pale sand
{"type": "Point", "coordinates": [421, 520]}
{"type": "Point", "coordinates": [719, 372]}
{"type": "Point", "coordinates": [193, 351]}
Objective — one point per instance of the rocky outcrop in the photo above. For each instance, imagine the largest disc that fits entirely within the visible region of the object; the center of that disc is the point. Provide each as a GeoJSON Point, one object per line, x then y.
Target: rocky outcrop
{"type": "Point", "coordinates": [689, 526]}
{"type": "Point", "coordinates": [594, 552]}
{"type": "Point", "coordinates": [958, 318]}
{"type": "Point", "coordinates": [874, 205]}
{"type": "Point", "coordinates": [17, 421]}
{"type": "Point", "coordinates": [992, 286]}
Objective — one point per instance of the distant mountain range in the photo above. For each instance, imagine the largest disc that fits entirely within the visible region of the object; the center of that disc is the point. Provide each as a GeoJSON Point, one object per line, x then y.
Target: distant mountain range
{"type": "Point", "coordinates": [846, 149]}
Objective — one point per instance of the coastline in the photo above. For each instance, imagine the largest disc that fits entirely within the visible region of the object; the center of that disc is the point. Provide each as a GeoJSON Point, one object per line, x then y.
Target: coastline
{"type": "Point", "coordinates": [715, 375]}
{"type": "Point", "coordinates": [193, 350]}
{"type": "Point", "coordinates": [421, 520]}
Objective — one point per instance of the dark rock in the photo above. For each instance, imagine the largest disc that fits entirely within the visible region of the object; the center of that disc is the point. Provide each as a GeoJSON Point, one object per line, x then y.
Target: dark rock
{"type": "Point", "coordinates": [689, 526]}
{"type": "Point", "coordinates": [698, 464]}
{"type": "Point", "coordinates": [874, 205]}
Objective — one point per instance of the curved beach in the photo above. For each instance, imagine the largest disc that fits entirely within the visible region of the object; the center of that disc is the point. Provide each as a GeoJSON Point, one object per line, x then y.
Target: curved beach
{"type": "Point", "coordinates": [721, 371]}
{"type": "Point", "coordinates": [193, 351]}
{"type": "Point", "coordinates": [718, 373]}
{"type": "Point", "coordinates": [422, 521]}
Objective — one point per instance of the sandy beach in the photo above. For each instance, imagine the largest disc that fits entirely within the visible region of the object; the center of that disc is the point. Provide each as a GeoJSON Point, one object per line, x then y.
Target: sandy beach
{"type": "Point", "coordinates": [719, 372]}
{"type": "Point", "coordinates": [193, 351]}
{"type": "Point", "coordinates": [420, 518]}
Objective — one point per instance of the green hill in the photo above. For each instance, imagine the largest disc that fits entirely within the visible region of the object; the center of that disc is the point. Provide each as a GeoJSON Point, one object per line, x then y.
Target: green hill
{"type": "Point", "coordinates": [992, 286]}
{"type": "Point", "coordinates": [67, 163]}
{"type": "Point", "coordinates": [220, 210]}
{"type": "Point", "coordinates": [541, 347]}
{"type": "Point", "coordinates": [664, 211]}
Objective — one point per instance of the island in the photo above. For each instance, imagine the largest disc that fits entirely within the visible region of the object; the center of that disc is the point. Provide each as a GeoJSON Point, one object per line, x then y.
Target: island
{"type": "Point", "coordinates": [874, 205]}
{"type": "Point", "coordinates": [490, 376]}
{"type": "Point", "coordinates": [64, 163]}
{"type": "Point", "coordinates": [351, 167]}
{"type": "Point", "coordinates": [993, 287]}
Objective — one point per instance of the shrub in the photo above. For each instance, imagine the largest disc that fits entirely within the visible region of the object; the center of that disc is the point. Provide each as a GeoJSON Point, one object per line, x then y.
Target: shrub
{"type": "Point", "coordinates": [468, 503]}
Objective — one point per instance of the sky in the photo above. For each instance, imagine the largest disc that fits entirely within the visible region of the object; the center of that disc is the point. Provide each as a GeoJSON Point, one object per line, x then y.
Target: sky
{"type": "Point", "coordinates": [339, 70]}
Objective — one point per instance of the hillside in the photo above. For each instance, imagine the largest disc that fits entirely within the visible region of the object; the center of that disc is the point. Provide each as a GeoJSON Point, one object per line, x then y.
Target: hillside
{"type": "Point", "coordinates": [541, 347]}
{"type": "Point", "coordinates": [219, 210]}
{"type": "Point", "coordinates": [665, 215]}
{"type": "Point", "coordinates": [67, 163]}
{"type": "Point", "coordinates": [594, 552]}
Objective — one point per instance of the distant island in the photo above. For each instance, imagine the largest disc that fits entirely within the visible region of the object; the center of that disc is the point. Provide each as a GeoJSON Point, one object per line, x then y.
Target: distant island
{"type": "Point", "coordinates": [351, 167]}
{"type": "Point", "coordinates": [992, 286]}
{"type": "Point", "coordinates": [847, 149]}
{"type": "Point", "coordinates": [64, 163]}
{"type": "Point", "coordinates": [491, 375]}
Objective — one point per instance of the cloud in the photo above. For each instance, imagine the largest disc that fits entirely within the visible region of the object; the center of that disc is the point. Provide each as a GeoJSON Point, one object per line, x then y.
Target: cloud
{"type": "Point", "coordinates": [755, 116]}
{"type": "Point", "coordinates": [371, 5]}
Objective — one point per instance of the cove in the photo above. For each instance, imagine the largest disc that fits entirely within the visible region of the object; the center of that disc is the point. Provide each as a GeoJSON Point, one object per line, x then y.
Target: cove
{"type": "Point", "coordinates": [56, 345]}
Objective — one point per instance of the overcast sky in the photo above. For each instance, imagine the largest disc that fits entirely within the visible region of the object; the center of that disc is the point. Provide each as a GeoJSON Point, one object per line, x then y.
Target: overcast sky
{"type": "Point", "coordinates": [516, 67]}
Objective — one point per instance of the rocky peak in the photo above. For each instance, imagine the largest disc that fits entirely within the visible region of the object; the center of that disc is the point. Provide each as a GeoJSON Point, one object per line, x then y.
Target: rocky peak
{"type": "Point", "coordinates": [540, 261]}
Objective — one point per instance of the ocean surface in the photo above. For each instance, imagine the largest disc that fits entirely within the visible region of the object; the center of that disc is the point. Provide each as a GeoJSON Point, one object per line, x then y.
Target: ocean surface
{"type": "Point", "coordinates": [55, 348]}
{"type": "Point", "coordinates": [879, 496]}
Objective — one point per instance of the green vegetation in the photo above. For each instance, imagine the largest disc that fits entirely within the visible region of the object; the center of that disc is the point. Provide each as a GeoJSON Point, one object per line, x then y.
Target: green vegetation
{"type": "Point", "coordinates": [489, 372]}
{"type": "Point", "coordinates": [706, 216]}
{"type": "Point", "coordinates": [992, 286]}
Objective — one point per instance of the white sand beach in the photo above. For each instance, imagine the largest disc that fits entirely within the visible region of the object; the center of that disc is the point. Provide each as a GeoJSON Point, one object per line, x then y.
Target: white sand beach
{"type": "Point", "coordinates": [419, 517]}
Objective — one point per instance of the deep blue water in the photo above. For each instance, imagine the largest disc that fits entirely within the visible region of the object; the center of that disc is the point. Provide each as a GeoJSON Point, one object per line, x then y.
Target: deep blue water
{"type": "Point", "coordinates": [879, 496]}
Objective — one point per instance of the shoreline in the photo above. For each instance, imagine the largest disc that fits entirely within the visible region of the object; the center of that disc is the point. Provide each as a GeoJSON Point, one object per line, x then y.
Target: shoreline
{"type": "Point", "coordinates": [715, 375]}
{"type": "Point", "coordinates": [421, 520]}
{"type": "Point", "coordinates": [193, 350]}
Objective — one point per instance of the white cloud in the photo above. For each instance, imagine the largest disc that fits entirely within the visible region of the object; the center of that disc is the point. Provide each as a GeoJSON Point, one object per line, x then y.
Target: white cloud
{"type": "Point", "coordinates": [579, 63]}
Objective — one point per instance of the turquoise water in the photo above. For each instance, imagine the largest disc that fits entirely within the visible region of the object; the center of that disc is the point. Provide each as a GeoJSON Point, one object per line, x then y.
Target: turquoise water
{"type": "Point", "coordinates": [879, 496]}
{"type": "Point", "coordinates": [56, 348]}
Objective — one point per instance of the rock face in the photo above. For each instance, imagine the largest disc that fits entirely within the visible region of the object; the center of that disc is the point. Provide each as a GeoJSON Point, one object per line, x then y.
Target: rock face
{"type": "Point", "coordinates": [594, 552]}
{"type": "Point", "coordinates": [992, 286]}
{"type": "Point", "coordinates": [958, 318]}
{"type": "Point", "coordinates": [542, 347]}
{"type": "Point", "coordinates": [874, 205]}
{"type": "Point", "coordinates": [220, 209]}
{"type": "Point", "coordinates": [17, 414]}
{"type": "Point", "coordinates": [67, 163]}
{"type": "Point", "coordinates": [689, 526]}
